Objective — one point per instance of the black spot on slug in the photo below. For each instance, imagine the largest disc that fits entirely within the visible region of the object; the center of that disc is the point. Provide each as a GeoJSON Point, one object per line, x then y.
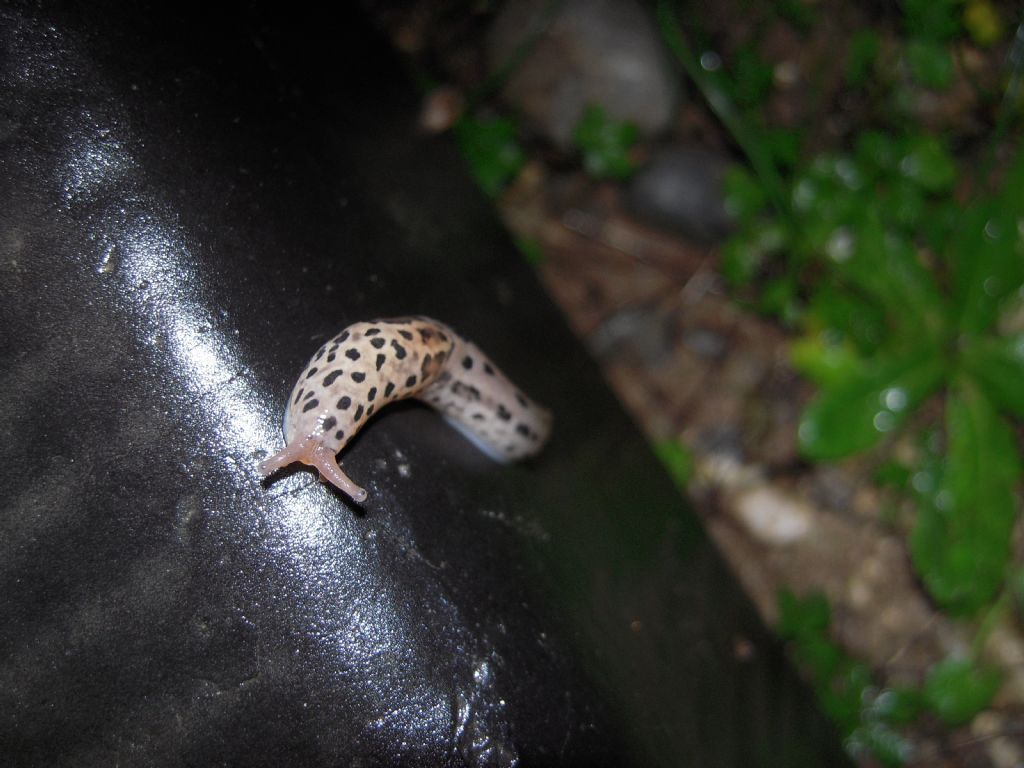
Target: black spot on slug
{"type": "Point", "coordinates": [503, 413]}
{"type": "Point", "coordinates": [331, 357]}
{"type": "Point", "coordinates": [377, 343]}
{"type": "Point", "coordinates": [371, 394]}
{"type": "Point", "coordinates": [342, 337]}
{"type": "Point", "coordinates": [320, 352]}
{"type": "Point", "coordinates": [312, 373]}
{"type": "Point", "coordinates": [522, 400]}
{"type": "Point", "coordinates": [352, 354]}
{"type": "Point", "coordinates": [358, 377]}
{"type": "Point", "coordinates": [309, 394]}
{"type": "Point", "coordinates": [523, 430]}
{"type": "Point", "coordinates": [380, 361]}
{"type": "Point", "coordinates": [369, 411]}
{"type": "Point", "coordinates": [405, 335]}
{"type": "Point", "coordinates": [399, 349]}
{"type": "Point", "coordinates": [299, 394]}
{"type": "Point", "coordinates": [310, 405]}
{"type": "Point", "coordinates": [332, 377]}
{"type": "Point", "coordinates": [329, 423]}
{"type": "Point", "coordinates": [488, 369]}
{"type": "Point", "coordinates": [467, 362]}
{"type": "Point", "coordinates": [373, 332]}
{"type": "Point", "coordinates": [478, 417]}
{"type": "Point", "coordinates": [358, 414]}
{"type": "Point", "coordinates": [339, 435]}
{"type": "Point", "coordinates": [411, 381]}
{"type": "Point", "coordinates": [389, 389]}
{"type": "Point", "coordinates": [344, 403]}
{"type": "Point", "coordinates": [465, 390]}
{"type": "Point", "coordinates": [426, 334]}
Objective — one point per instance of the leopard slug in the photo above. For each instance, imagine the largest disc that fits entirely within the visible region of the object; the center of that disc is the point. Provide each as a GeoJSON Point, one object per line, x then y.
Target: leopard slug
{"type": "Point", "coordinates": [369, 365]}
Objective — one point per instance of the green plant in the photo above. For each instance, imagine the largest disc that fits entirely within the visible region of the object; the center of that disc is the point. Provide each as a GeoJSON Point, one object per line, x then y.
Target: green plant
{"type": "Point", "coordinates": [491, 150]}
{"type": "Point", "coordinates": [889, 323]}
{"type": "Point", "coordinates": [870, 716]}
{"type": "Point", "coordinates": [903, 297]}
{"type": "Point", "coordinates": [605, 144]}
{"type": "Point", "coordinates": [677, 460]}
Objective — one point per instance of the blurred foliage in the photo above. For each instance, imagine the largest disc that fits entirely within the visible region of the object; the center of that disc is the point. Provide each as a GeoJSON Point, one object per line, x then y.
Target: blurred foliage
{"type": "Point", "coordinates": [677, 460]}
{"type": "Point", "coordinates": [868, 715]}
{"type": "Point", "coordinates": [898, 291]}
{"type": "Point", "coordinates": [902, 274]}
{"type": "Point", "coordinates": [604, 144]}
{"type": "Point", "coordinates": [491, 149]}
{"type": "Point", "coordinates": [531, 250]}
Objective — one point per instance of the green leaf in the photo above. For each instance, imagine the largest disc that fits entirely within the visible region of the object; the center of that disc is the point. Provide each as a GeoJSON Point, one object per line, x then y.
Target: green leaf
{"type": "Point", "coordinates": [892, 474]}
{"type": "Point", "coordinates": [931, 19]}
{"type": "Point", "coordinates": [928, 163]}
{"type": "Point", "coordinates": [848, 317]}
{"type": "Point", "coordinates": [531, 250]}
{"type": "Point", "coordinates": [956, 690]}
{"type": "Point", "coordinates": [799, 13]}
{"type": "Point", "coordinates": [855, 413]}
{"type": "Point", "coordinates": [823, 659]}
{"type": "Point", "coordinates": [605, 144]}
{"type": "Point", "coordinates": [490, 147]}
{"type": "Point", "coordinates": [744, 196]}
{"type": "Point", "coordinates": [880, 742]}
{"type": "Point", "coordinates": [823, 362]}
{"type": "Point", "coordinates": [843, 695]}
{"type": "Point", "coordinates": [745, 252]}
{"type": "Point", "coordinates": [860, 56]}
{"type": "Point", "coordinates": [884, 264]}
{"type": "Point", "coordinates": [752, 77]}
{"type": "Point", "coordinates": [677, 459]}
{"type": "Point", "coordinates": [783, 144]}
{"type": "Point", "coordinates": [930, 63]}
{"type": "Point", "coordinates": [878, 151]}
{"type": "Point", "coordinates": [983, 22]}
{"type": "Point", "coordinates": [998, 365]}
{"type": "Point", "coordinates": [896, 705]}
{"type": "Point", "coordinates": [987, 253]}
{"type": "Point", "coordinates": [903, 203]}
{"type": "Point", "coordinates": [960, 543]}
{"type": "Point", "coordinates": [802, 616]}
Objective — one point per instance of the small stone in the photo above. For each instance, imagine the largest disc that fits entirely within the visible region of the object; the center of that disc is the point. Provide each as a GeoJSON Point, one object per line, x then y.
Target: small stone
{"type": "Point", "coordinates": [589, 52]}
{"type": "Point", "coordinates": [681, 189]}
{"type": "Point", "coordinates": [642, 333]}
{"type": "Point", "coordinates": [772, 516]}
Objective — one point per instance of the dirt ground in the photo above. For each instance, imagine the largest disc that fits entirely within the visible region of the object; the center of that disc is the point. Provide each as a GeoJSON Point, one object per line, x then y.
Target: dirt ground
{"type": "Point", "coordinates": [688, 363]}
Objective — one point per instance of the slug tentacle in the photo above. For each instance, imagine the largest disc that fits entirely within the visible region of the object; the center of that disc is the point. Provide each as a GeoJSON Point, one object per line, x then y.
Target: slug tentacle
{"type": "Point", "coordinates": [369, 365]}
{"type": "Point", "coordinates": [312, 452]}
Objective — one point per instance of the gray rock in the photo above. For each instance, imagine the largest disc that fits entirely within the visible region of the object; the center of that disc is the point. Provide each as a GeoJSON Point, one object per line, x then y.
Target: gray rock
{"type": "Point", "coordinates": [681, 189]}
{"type": "Point", "coordinates": [604, 52]}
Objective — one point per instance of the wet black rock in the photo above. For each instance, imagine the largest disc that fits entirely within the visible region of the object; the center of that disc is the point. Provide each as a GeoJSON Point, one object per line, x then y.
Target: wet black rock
{"type": "Point", "coordinates": [192, 199]}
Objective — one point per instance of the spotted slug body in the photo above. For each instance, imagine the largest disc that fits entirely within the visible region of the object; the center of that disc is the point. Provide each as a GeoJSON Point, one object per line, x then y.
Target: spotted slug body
{"type": "Point", "coordinates": [369, 365]}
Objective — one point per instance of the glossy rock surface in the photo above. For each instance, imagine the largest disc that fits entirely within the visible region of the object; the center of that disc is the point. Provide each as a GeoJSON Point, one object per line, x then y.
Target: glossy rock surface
{"type": "Point", "coordinates": [189, 206]}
